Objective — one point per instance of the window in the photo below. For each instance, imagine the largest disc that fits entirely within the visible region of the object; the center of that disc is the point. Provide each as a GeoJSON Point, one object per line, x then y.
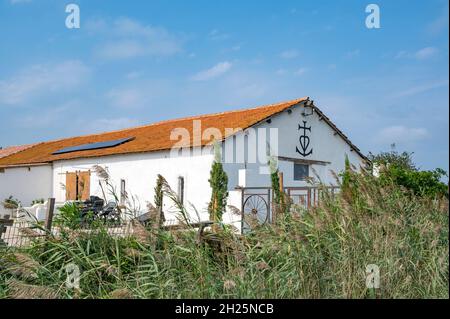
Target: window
{"type": "Point", "coordinates": [301, 172]}
{"type": "Point", "coordinates": [181, 189]}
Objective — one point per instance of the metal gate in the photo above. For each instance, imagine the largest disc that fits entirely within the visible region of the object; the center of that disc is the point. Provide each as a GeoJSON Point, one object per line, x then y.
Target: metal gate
{"type": "Point", "coordinates": [257, 201]}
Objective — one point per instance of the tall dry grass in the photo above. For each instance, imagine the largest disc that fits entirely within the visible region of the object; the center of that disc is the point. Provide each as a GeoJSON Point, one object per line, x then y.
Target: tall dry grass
{"type": "Point", "coordinates": [318, 253]}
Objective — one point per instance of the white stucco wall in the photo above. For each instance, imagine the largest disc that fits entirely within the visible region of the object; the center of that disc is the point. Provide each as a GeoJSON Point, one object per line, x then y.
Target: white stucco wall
{"type": "Point", "coordinates": [326, 146]}
{"type": "Point", "coordinates": [140, 173]}
{"type": "Point", "coordinates": [26, 183]}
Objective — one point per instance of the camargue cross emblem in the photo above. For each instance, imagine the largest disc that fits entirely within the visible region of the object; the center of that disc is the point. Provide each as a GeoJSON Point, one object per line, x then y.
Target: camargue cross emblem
{"type": "Point", "coordinates": [304, 140]}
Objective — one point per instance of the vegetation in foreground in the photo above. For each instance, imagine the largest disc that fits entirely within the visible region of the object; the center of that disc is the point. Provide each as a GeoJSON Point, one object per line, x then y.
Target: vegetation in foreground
{"type": "Point", "coordinates": [319, 253]}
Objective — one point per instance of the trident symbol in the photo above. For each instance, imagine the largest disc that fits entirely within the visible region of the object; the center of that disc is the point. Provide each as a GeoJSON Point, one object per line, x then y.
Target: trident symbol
{"type": "Point", "coordinates": [304, 140]}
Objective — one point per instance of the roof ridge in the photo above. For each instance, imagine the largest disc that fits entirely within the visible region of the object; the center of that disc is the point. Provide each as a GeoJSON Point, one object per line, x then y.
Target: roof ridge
{"type": "Point", "coordinates": [18, 145]}
{"type": "Point", "coordinates": [20, 148]}
{"type": "Point", "coordinates": [292, 102]}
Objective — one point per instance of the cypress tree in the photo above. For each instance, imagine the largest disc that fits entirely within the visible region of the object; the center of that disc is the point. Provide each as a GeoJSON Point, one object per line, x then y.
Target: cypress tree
{"type": "Point", "coordinates": [219, 188]}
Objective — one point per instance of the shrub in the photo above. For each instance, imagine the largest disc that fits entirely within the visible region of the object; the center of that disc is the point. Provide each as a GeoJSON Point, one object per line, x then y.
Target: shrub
{"type": "Point", "coordinates": [37, 201]}
{"type": "Point", "coordinates": [69, 216]}
{"type": "Point", "coordinates": [400, 169]}
{"type": "Point", "coordinates": [11, 203]}
{"type": "Point", "coordinates": [422, 183]}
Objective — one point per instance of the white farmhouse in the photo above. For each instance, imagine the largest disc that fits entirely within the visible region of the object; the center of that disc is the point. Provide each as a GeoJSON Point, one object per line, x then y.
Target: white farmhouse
{"type": "Point", "coordinates": [307, 147]}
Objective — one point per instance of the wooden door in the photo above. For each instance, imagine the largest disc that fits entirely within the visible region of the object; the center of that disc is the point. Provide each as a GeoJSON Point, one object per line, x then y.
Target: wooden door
{"type": "Point", "coordinates": [71, 185]}
{"type": "Point", "coordinates": [84, 184]}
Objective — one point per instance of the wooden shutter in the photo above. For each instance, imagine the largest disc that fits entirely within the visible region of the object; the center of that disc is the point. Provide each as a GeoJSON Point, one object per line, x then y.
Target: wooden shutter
{"type": "Point", "coordinates": [84, 183]}
{"type": "Point", "coordinates": [78, 185]}
{"type": "Point", "coordinates": [71, 186]}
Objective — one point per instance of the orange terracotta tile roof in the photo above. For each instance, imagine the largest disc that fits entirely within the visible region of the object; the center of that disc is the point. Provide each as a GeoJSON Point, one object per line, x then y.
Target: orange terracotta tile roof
{"type": "Point", "coordinates": [148, 138]}
{"type": "Point", "coordinates": [13, 149]}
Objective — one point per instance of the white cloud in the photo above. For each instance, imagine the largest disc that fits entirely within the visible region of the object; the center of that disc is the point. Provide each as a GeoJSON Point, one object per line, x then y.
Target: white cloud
{"type": "Point", "coordinates": [424, 87]}
{"type": "Point", "coordinates": [48, 117]}
{"type": "Point", "coordinates": [213, 72]}
{"type": "Point", "coordinates": [110, 124]}
{"type": "Point", "coordinates": [129, 39]}
{"type": "Point", "coordinates": [95, 26]}
{"type": "Point", "coordinates": [401, 134]}
{"type": "Point", "coordinates": [19, 1]}
{"type": "Point", "coordinates": [332, 67]}
{"type": "Point", "coordinates": [121, 49]}
{"type": "Point", "coordinates": [40, 80]}
{"type": "Point", "coordinates": [218, 35]}
{"type": "Point", "coordinates": [139, 94]}
{"type": "Point", "coordinates": [402, 54]}
{"type": "Point", "coordinates": [300, 71]}
{"type": "Point", "coordinates": [133, 75]}
{"type": "Point", "coordinates": [426, 53]}
{"type": "Point", "coordinates": [289, 54]}
{"type": "Point", "coordinates": [422, 54]}
{"type": "Point", "coordinates": [126, 97]}
{"type": "Point", "coordinates": [439, 24]}
{"type": "Point", "coordinates": [353, 54]}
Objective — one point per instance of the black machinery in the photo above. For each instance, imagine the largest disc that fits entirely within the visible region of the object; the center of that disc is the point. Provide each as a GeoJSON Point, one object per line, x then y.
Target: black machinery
{"type": "Point", "coordinates": [94, 209]}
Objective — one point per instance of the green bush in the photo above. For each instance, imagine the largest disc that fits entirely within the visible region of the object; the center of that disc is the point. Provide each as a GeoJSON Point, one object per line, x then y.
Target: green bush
{"type": "Point", "coordinates": [37, 201]}
{"type": "Point", "coordinates": [69, 216]}
{"type": "Point", "coordinates": [422, 183]}
{"type": "Point", "coordinates": [11, 203]}
{"type": "Point", "coordinates": [399, 169]}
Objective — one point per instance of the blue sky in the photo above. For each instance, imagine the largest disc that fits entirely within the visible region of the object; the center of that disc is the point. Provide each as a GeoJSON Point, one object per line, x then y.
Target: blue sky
{"type": "Point", "coordinates": [136, 62]}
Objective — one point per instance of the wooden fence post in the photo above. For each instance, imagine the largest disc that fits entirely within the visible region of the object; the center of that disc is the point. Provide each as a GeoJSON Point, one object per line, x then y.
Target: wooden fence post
{"type": "Point", "coordinates": [2, 230]}
{"type": "Point", "coordinates": [280, 177]}
{"type": "Point", "coordinates": [4, 223]}
{"type": "Point", "coordinates": [49, 216]}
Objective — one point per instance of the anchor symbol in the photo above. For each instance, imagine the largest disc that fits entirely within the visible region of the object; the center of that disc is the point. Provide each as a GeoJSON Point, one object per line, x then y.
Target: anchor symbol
{"type": "Point", "coordinates": [304, 140]}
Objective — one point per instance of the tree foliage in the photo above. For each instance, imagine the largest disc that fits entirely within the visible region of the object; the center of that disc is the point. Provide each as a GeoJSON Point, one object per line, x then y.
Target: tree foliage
{"type": "Point", "coordinates": [422, 183]}
{"type": "Point", "coordinates": [281, 201]}
{"type": "Point", "coordinates": [219, 188]}
{"type": "Point", "coordinates": [401, 160]}
{"type": "Point", "coordinates": [275, 180]}
{"type": "Point", "coordinates": [400, 169]}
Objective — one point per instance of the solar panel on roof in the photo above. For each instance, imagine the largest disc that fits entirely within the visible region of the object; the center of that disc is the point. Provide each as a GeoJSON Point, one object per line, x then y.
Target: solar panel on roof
{"type": "Point", "coordinates": [93, 146]}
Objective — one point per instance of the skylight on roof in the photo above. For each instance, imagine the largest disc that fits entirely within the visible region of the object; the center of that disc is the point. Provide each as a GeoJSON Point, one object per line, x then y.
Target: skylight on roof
{"type": "Point", "coordinates": [93, 146]}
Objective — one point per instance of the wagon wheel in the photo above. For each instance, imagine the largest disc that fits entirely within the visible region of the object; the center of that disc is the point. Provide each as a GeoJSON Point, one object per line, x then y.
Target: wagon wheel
{"type": "Point", "coordinates": [255, 206]}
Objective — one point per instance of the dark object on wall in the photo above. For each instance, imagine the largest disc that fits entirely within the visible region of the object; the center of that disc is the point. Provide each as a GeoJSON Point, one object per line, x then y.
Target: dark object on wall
{"type": "Point", "coordinates": [304, 140]}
